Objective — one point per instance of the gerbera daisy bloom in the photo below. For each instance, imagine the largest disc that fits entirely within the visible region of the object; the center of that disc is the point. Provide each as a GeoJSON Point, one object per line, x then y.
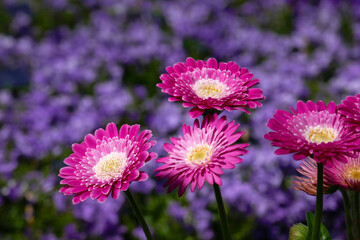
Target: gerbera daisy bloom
{"type": "Point", "coordinates": [347, 175]}
{"type": "Point", "coordinates": [313, 130]}
{"type": "Point", "coordinates": [308, 181]}
{"type": "Point", "coordinates": [211, 85]}
{"type": "Point", "coordinates": [201, 154]}
{"type": "Point", "coordinates": [350, 108]}
{"type": "Point", "coordinates": [106, 162]}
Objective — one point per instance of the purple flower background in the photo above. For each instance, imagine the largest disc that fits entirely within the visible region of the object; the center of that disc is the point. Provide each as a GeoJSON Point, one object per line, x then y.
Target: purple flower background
{"type": "Point", "coordinates": [69, 67]}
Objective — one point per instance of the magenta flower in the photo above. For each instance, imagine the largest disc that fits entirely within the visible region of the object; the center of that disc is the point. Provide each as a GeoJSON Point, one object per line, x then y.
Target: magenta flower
{"type": "Point", "coordinates": [208, 85]}
{"type": "Point", "coordinates": [350, 108]}
{"type": "Point", "coordinates": [313, 130]}
{"type": "Point", "coordinates": [308, 181]}
{"type": "Point", "coordinates": [106, 162]}
{"type": "Point", "coordinates": [201, 154]}
{"type": "Point", "coordinates": [347, 175]}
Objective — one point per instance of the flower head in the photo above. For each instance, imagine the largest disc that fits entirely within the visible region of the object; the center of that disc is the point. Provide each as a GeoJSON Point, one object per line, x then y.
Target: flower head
{"type": "Point", "coordinates": [211, 85]}
{"type": "Point", "coordinates": [308, 182]}
{"type": "Point", "coordinates": [347, 175]}
{"type": "Point", "coordinates": [350, 108]}
{"type": "Point", "coordinates": [201, 154]}
{"type": "Point", "coordinates": [313, 130]}
{"type": "Point", "coordinates": [106, 162]}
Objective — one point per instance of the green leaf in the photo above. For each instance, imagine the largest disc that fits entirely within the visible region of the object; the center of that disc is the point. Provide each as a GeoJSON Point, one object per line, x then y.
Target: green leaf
{"type": "Point", "coordinates": [298, 232]}
{"type": "Point", "coordinates": [324, 233]}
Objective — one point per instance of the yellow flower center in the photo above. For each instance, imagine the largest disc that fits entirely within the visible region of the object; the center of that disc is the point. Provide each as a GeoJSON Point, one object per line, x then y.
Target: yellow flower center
{"type": "Point", "coordinates": [210, 88]}
{"type": "Point", "coordinates": [200, 154]}
{"type": "Point", "coordinates": [110, 166]}
{"type": "Point", "coordinates": [319, 134]}
{"type": "Point", "coordinates": [353, 173]}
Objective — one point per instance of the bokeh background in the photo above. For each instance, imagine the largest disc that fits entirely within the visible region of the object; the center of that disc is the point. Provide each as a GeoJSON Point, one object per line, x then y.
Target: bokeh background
{"type": "Point", "coordinates": [68, 67]}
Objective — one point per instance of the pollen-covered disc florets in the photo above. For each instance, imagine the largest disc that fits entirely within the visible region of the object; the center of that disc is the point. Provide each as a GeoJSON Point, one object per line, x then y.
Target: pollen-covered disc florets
{"type": "Point", "coordinates": [313, 130]}
{"type": "Point", "coordinates": [110, 166]}
{"type": "Point", "coordinates": [106, 162]}
{"type": "Point", "coordinates": [210, 88]}
{"type": "Point", "coordinates": [211, 85]}
{"type": "Point", "coordinates": [201, 154]}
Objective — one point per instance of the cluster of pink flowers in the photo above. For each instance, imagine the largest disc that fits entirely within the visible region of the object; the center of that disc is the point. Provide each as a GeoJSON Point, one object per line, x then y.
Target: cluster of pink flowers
{"type": "Point", "coordinates": [108, 161]}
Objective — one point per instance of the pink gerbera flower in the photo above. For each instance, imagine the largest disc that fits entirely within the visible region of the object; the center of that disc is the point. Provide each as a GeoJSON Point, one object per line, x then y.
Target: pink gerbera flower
{"type": "Point", "coordinates": [313, 130]}
{"type": "Point", "coordinates": [106, 162]}
{"type": "Point", "coordinates": [201, 154]}
{"type": "Point", "coordinates": [347, 175]}
{"type": "Point", "coordinates": [308, 181]}
{"type": "Point", "coordinates": [350, 108]}
{"type": "Point", "coordinates": [209, 85]}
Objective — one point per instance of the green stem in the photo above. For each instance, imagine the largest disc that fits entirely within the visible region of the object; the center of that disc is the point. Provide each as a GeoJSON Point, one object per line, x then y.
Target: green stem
{"type": "Point", "coordinates": [319, 202]}
{"type": "Point", "coordinates": [221, 208]}
{"type": "Point", "coordinates": [357, 215]}
{"type": "Point", "coordinates": [138, 214]}
{"type": "Point", "coordinates": [347, 207]}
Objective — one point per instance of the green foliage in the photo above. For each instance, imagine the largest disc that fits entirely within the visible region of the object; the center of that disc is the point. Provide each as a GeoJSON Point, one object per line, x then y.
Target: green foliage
{"type": "Point", "coordinates": [302, 232]}
{"type": "Point", "coordinates": [144, 74]}
{"type": "Point", "coordinates": [5, 20]}
{"type": "Point", "coordinates": [298, 232]}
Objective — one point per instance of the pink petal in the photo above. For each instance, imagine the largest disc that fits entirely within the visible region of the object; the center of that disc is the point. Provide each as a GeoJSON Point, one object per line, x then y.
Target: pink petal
{"type": "Point", "coordinates": [195, 112]}
{"type": "Point", "coordinates": [102, 198]}
{"type": "Point", "coordinates": [67, 170]}
{"type": "Point", "coordinates": [95, 193]}
{"type": "Point", "coordinates": [134, 130]}
{"type": "Point", "coordinates": [90, 141]}
{"type": "Point", "coordinates": [133, 175]}
{"type": "Point", "coordinates": [111, 130]}
{"type": "Point", "coordinates": [212, 63]}
{"type": "Point", "coordinates": [106, 190]}
{"type": "Point", "coordinates": [116, 193]}
{"type": "Point", "coordinates": [123, 132]}
{"type": "Point", "coordinates": [283, 151]}
{"type": "Point", "coordinates": [79, 149]}
{"type": "Point", "coordinates": [209, 178]}
{"type": "Point", "coordinates": [299, 156]}
{"type": "Point", "coordinates": [100, 134]}
{"type": "Point", "coordinates": [143, 155]}
{"type": "Point", "coordinates": [168, 147]}
{"type": "Point", "coordinates": [200, 180]}
{"type": "Point", "coordinates": [76, 199]}
{"type": "Point", "coordinates": [142, 177]}
{"type": "Point", "coordinates": [217, 179]}
{"type": "Point", "coordinates": [191, 62]}
{"type": "Point", "coordinates": [234, 68]}
{"type": "Point", "coordinates": [124, 186]}
{"type": "Point", "coordinates": [84, 196]}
